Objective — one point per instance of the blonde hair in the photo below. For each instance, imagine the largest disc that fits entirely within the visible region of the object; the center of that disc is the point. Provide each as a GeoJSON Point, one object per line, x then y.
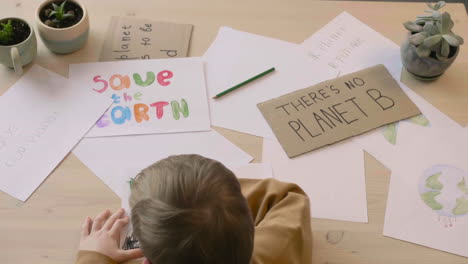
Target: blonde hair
{"type": "Point", "coordinates": [190, 209]}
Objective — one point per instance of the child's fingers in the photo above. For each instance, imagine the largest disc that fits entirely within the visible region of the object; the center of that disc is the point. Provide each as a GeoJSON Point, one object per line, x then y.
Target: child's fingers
{"type": "Point", "coordinates": [100, 220]}
{"type": "Point", "coordinates": [86, 227]}
{"type": "Point", "coordinates": [118, 226]}
{"type": "Point", "coordinates": [110, 222]}
{"type": "Point", "coordinates": [125, 255]}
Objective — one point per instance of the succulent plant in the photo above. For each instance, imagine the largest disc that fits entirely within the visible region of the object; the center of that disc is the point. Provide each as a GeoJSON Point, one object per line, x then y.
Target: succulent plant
{"type": "Point", "coordinates": [6, 32]}
{"type": "Point", "coordinates": [59, 13]}
{"type": "Point", "coordinates": [432, 34]}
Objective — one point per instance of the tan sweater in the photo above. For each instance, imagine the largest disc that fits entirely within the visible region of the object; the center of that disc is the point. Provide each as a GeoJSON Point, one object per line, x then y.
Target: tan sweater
{"type": "Point", "coordinates": [282, 224]}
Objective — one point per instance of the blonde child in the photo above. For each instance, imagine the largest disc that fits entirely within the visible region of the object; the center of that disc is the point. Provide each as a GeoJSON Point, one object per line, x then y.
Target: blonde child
{"type": "Point", "coordinates": [191, 209]}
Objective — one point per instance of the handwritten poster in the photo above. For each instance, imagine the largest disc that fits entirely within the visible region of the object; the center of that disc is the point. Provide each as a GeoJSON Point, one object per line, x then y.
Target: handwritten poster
{"type": "Point", "coordinates": [43, 118]}
{"type": "Point", "coordinates": [149, 96]}
{"type": "Point", "coordinates": [130, 38]}
{"type": "Point", "coordinates": [336, 109]}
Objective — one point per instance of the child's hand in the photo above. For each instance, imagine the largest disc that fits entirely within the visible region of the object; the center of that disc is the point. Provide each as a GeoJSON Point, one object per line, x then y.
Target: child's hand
{"type": "Point", "coordinates": [102, 235]}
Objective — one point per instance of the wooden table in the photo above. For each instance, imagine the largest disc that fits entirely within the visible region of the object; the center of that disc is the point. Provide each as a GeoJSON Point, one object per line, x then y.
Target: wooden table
{"type": "Point", "coordinates": [45, 229]}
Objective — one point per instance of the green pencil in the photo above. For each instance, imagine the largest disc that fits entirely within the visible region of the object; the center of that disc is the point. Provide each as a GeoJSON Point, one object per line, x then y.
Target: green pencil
{"type": "Point", "coordinates": [244, 83]}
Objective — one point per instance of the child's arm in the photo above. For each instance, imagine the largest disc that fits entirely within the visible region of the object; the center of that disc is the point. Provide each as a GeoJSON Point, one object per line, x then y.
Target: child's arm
{"type": "Point", "coordinates": [281, 213]}
{"type": "Point", "coordinates": [99, 243]}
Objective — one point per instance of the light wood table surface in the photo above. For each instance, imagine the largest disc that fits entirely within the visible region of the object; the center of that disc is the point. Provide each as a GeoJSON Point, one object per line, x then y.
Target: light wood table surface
{"type": "Point", "coordinates": [45, 229]}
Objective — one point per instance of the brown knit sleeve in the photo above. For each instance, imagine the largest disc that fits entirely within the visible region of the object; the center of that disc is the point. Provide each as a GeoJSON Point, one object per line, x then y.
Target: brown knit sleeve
{"type": "Point", "coordinates": [281, 213]}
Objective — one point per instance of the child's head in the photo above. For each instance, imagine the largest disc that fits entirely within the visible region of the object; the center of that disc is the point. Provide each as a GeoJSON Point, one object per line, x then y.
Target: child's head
{"type": "Point", "coordinates": [190, 209]}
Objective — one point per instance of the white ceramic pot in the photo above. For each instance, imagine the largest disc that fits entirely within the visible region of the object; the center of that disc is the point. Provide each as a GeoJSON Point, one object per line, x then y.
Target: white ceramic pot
{"type": "Point", "coordinates": [18, 55]}
{"type": "Point", "coordinates": [63, 40]}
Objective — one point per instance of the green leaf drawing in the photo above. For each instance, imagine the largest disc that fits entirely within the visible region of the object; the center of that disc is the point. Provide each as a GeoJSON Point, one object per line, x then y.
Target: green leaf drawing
{"type": "Point", "coordinates": [433, 182]}
{"type": "Point", "coordinates": [390, 133]}
{"type": "Point", "coordinates": [429, 199]}
{"type": "Point", "coordinates": [419, 120]}
{"type": "Point", "coordinates": [461, 207]}
{"type": "Point", "coordinates": [462, 186]}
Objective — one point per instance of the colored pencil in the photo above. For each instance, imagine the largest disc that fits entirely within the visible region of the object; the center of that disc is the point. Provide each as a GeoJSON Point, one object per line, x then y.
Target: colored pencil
{"type": "Point", "coordinates": [244, 83]}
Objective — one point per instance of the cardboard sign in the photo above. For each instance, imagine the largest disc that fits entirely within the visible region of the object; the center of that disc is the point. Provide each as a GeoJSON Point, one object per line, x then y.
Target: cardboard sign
{"type": "Point", "coordinates": [336, 109]}
{"type": "Point", "coordinates": [149, 96]}
{"type": "Point", "coordinates": [134, 38]}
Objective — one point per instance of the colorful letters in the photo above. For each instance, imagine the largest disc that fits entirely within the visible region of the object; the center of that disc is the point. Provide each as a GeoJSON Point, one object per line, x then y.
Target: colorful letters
{"type": "Point", "coordinates": [140, 112]}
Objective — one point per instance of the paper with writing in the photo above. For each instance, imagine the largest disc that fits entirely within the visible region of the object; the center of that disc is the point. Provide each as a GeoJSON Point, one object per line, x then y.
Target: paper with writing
{"type": "Point", "coordinates": [130, 38]}
{"type": "Point", "coordinates": [336, 109]}
{"type": "Point", "coordinates": [150, 96]}
{"type": "Point", "coordinates": [43, 117]}
{"type": "Point", "coordinates": [236, 56]}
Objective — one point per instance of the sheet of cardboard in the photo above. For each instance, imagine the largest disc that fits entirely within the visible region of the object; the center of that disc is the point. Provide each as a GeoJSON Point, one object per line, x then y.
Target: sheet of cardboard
{"type": "Point", "coordinates": [336, 109]}
{"type": "Point", "coordinates": [130, 38]}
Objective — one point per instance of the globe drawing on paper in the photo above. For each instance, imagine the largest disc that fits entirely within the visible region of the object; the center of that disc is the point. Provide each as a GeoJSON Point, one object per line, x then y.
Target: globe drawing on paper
{"type": "Point", "coordinates": [444, 189]}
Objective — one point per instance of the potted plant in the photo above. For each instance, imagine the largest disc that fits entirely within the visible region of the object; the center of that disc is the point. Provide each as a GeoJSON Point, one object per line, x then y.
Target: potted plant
{"type": "Point", "coordinates": [18, 44]}
{"type": "Point", "coordinates": [62, 25]}
{"type": "Point", "coordinates": [430, 46]}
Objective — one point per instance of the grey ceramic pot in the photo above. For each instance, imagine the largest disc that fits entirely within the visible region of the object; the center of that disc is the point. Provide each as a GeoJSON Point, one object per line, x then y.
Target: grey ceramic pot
{"type": "Point", "coordinates": [423, 68]}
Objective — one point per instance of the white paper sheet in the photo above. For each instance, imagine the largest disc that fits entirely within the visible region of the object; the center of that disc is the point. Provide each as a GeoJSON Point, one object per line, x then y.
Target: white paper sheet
{"type": "Point", "coordinates": [333, 177]}
{"type": "Point", "coordinates": [234, 57]}
{"type": "Point", "coordinates": [43, 117]}
{"type": "Point", "coordinates": [150, 96]}
{"type": "Point", "coordinates": [111, 158]}
{"type": "Point", "coordinates": [430, 212]}
{"type": "Point", "coordinates": [347, 45]}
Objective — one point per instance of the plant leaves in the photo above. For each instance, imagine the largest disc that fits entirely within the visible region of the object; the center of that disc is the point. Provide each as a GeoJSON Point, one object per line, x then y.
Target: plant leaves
{"type": "Point", "coordinates": [67, 15]}
{"type": "Point", "coordinates": [423, 51]}
{"type": "Point", "coordinates": [435, 48]}
{"type": "Point", "coordinates": [56, 7]}
{"type": "Point", "coordinates": [440, 4]}
{"type": "Point", "coordinates": [52, 13]}
{"type": "Point", "coordinates": [436, 14]}
{"type": "Point", "coordinates": [431, 29]}
{"type": "Point", "coordinates": [418, 38]}
{"type": "Point", "coordinates": [460, 39]}
{"type": "Point", "coordinates": [62, 7]}
{"type": "Point", "coordinates": [413, 27]}
{"type": "Point", "coordinates": [444, 49]}
{"type": "Point", "coordinates": [430, 5]}
{"type": "Point", "coordinates": [446, 23]}
{"type": "Point", "coordinates": [431, 41]}
{"type": "Point", "coordinates": [451, 39]}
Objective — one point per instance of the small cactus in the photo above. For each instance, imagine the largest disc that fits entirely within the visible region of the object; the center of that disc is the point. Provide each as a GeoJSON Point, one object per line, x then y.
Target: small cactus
{"type": "Point", "coordinates": [433, 33]}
